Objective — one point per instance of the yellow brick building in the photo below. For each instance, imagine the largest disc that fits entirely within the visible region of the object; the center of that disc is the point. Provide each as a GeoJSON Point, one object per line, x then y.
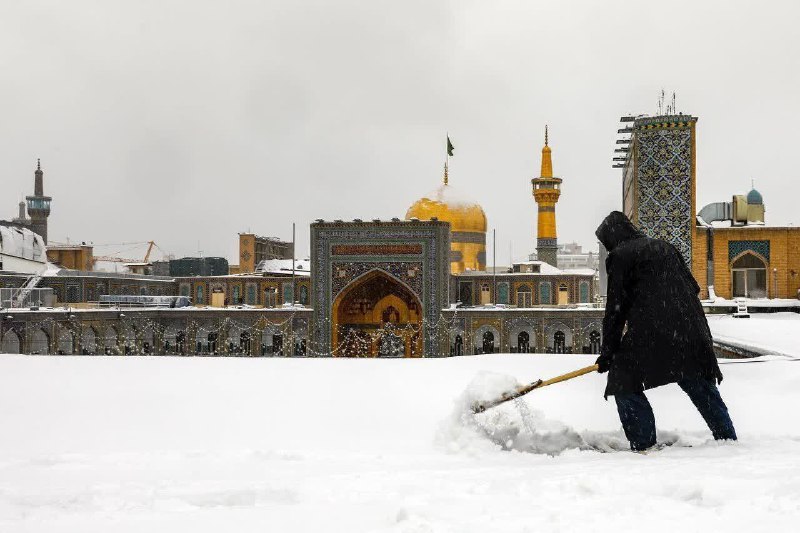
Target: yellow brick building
{"type": "Point", "coordinates": [748, 261]}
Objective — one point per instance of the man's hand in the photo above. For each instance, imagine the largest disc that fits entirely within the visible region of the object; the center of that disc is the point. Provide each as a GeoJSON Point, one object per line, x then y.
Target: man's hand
{"type": "Point", "coordinates": [604, 363]}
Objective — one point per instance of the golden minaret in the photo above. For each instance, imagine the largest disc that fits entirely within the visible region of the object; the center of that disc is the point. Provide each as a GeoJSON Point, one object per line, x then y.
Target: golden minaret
{"type": "Point", "coordinates": [546, 190]}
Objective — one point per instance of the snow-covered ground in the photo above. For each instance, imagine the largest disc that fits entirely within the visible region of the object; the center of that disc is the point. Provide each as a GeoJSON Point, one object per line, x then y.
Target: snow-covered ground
{"type": "Point", "coordinates": [772, 333]}
{"type": "Point", "coordinates": [100, 444]}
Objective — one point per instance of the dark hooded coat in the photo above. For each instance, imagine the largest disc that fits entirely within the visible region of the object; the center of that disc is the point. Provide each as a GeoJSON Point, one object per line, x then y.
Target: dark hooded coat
{"type": "Point", "coordinates": [654, 330]}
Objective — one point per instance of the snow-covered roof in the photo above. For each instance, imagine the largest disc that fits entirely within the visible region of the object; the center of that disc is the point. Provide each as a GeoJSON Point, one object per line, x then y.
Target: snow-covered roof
{"type": "Point", "coordinates": [302, 267]}
{"type": "Point", "coordinates": [22, 243]}
{"type": "Point", "coordinates": [579, 271]}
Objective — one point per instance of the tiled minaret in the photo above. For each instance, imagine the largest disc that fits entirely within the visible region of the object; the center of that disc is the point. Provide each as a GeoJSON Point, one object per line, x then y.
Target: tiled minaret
{"type": "Point", "coordinates": [546, 190]}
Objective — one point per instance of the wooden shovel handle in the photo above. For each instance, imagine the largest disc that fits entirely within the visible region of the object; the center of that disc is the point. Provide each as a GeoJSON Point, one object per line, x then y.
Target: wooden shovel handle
{"type": "Point", "coordinates": [525, 389]}
{"type": "Point", "coordinates": [570, 375]}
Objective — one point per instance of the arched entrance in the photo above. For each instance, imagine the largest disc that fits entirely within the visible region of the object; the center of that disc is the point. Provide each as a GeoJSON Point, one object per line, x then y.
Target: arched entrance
{"type": "Point", "coordinates": [559, 342]}
{"type": "Point", "coordinates": [488, 342]}
{"type": "Point", "coordinates": [594, 341]}
{"type": "Point", "coordinates": [749, 276]}
{"type": "Point", "coordinates": [39, 342]}
{"type": "Point", "coordinates": [458, 345]}
{"type": "Point", "coordinates": [376, 315]}
{"type": "Point", "coordinates": [11, 342]}
{"type": "Point", "coordinates": [523, 342]}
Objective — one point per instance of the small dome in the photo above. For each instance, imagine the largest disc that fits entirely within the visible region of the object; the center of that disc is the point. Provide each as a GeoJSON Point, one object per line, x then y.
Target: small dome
{"type": "Point", "coordinates": [754, 198]}
{"type": "Point", "coordinates": [445, 203]}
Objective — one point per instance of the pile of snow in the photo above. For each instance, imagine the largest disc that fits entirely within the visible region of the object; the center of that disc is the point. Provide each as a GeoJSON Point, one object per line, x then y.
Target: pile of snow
{"type": "Point", "coordinates": [123, 444]}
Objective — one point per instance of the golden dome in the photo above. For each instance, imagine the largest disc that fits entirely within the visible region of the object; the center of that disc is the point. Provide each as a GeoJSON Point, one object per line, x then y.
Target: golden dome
{"type": "Point", "coordinates": [445, 203]}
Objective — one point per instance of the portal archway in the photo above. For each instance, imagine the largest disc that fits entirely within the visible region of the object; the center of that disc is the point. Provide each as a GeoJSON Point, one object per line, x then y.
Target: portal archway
{"type": "Point", "coordinates": [377, 314]}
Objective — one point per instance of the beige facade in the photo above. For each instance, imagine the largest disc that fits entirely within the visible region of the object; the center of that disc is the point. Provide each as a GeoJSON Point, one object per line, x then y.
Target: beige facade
{"type": "Point", "coordinates": [775, 249]}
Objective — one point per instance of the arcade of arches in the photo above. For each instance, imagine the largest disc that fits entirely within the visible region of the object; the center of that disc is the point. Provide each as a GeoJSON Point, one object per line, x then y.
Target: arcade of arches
{"type": "Point", "coordinates": [377, 316]}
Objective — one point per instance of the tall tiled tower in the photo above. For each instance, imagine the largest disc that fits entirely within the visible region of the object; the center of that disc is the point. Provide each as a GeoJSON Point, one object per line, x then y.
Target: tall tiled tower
{"type": "Point", "coordinates": [658, 177]}
{"type": "Point", "coordinates": [39, 204]}
{"type": "Point", "coordinates": [546, 190]}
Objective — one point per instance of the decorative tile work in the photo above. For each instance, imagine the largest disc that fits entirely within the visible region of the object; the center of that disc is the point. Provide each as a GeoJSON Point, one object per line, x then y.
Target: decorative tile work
{"type": "Point", "coordinates": [376, 249]}
{"type": "Point", "coordinates": [347, 272]}
{"type": "Point", "coordinates": [332, 273]}
{"type": "Point", "coordinates": [737, 247]}
{"type": "Point", "coordinates": [664, 183]}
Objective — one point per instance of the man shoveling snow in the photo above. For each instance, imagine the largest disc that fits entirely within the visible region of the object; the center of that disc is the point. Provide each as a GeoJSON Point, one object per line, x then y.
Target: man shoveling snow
{"type": "Point", "coordinates": [654, 333]}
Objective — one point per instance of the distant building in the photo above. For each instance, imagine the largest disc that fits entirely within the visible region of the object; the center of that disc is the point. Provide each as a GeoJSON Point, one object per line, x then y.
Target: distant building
{"type": "Point", "coordinates": [529, 284]}
{"type": "Point", "coordinates": [737, 255]}
{"type": "Point", "coordinates": [72, 256]}
{"type": "Point", "coordinates": [571, 256]}
{"type": "Point", "coordinates": [253, 249]}
{"type": "Point", "coordinates": [161, 268]}
{"type": "Point", "coordinates": [198, 266]}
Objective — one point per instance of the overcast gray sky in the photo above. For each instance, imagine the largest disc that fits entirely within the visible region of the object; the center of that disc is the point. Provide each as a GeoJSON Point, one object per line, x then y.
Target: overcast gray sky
{"type": "Point", "coordinates": [187, 122]}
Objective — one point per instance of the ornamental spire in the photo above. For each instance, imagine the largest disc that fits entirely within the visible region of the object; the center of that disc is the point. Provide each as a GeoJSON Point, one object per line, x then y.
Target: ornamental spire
{"type": "Point", "coordinates": [547, 162]}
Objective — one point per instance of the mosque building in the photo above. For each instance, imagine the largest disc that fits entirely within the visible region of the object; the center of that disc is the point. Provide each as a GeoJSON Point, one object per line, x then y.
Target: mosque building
{"type": "Point", "coordinates": [419, 287]}
{"type": "Point", "coordinates": [382, 288]}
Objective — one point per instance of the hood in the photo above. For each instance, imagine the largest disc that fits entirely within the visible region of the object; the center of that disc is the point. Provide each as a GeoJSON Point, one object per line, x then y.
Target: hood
{"type": "Point", "coordinates": [616, 229]}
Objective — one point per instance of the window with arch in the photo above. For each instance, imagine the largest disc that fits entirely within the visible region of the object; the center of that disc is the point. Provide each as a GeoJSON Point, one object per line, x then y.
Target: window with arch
{"type": "Point", "coordinates": [270, 297]}
{"type": "Point", "coordinates": [251, 295]}
{"type": "Point", "coordinates": [502, 293]}
{"type": "Point", "coordinates": [303, 294]}
{"type": "Point", "coordinates": [563, 294]}
{"type": "Point", "coordinates": [486, 294]}
{"type": "Point", "coordinates": [288, 293]}
{"type": "Point", "coordinates": [544, 293]}
{"type": "Point", "coordinates": [236, 297]}
{"type": "Point", "coordinates": [524, 296]}
{"type": "Point", "coordinates": [749, 276]}
{"type": "Point", "coordinates": [199, 294]}
{"type": "Point", "coordinates": [583, 292]}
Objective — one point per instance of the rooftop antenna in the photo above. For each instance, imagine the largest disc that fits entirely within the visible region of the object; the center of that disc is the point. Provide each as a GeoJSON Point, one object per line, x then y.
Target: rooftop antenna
{"type": "Point", "coordinates": [674, 108]}
{"type": "Point", "coordinates": [661, 103]}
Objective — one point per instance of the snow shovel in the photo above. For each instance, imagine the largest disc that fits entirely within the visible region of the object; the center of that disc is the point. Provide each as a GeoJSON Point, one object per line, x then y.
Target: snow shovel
{"type": "Point", "coordinates": [480, 407]}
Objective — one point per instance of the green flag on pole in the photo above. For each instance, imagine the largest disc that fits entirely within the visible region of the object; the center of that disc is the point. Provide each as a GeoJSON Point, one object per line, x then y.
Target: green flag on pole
{"type": "Point", "coordinates": [450, 147]}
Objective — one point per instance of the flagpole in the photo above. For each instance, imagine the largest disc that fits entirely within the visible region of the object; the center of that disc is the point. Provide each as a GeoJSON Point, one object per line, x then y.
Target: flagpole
{"type": "Point", "coordinates": [446, 156]}
{"type": "Point", "coordinates": [494, 264]}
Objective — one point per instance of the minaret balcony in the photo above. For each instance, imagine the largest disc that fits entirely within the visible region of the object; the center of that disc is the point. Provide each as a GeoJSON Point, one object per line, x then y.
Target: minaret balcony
{"type": "Point", "coordinates": [39, 205]}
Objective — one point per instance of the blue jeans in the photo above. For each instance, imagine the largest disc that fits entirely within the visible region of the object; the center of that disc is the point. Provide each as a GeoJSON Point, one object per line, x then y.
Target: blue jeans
{"type": "Point", "coordinates": [639, 424]}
